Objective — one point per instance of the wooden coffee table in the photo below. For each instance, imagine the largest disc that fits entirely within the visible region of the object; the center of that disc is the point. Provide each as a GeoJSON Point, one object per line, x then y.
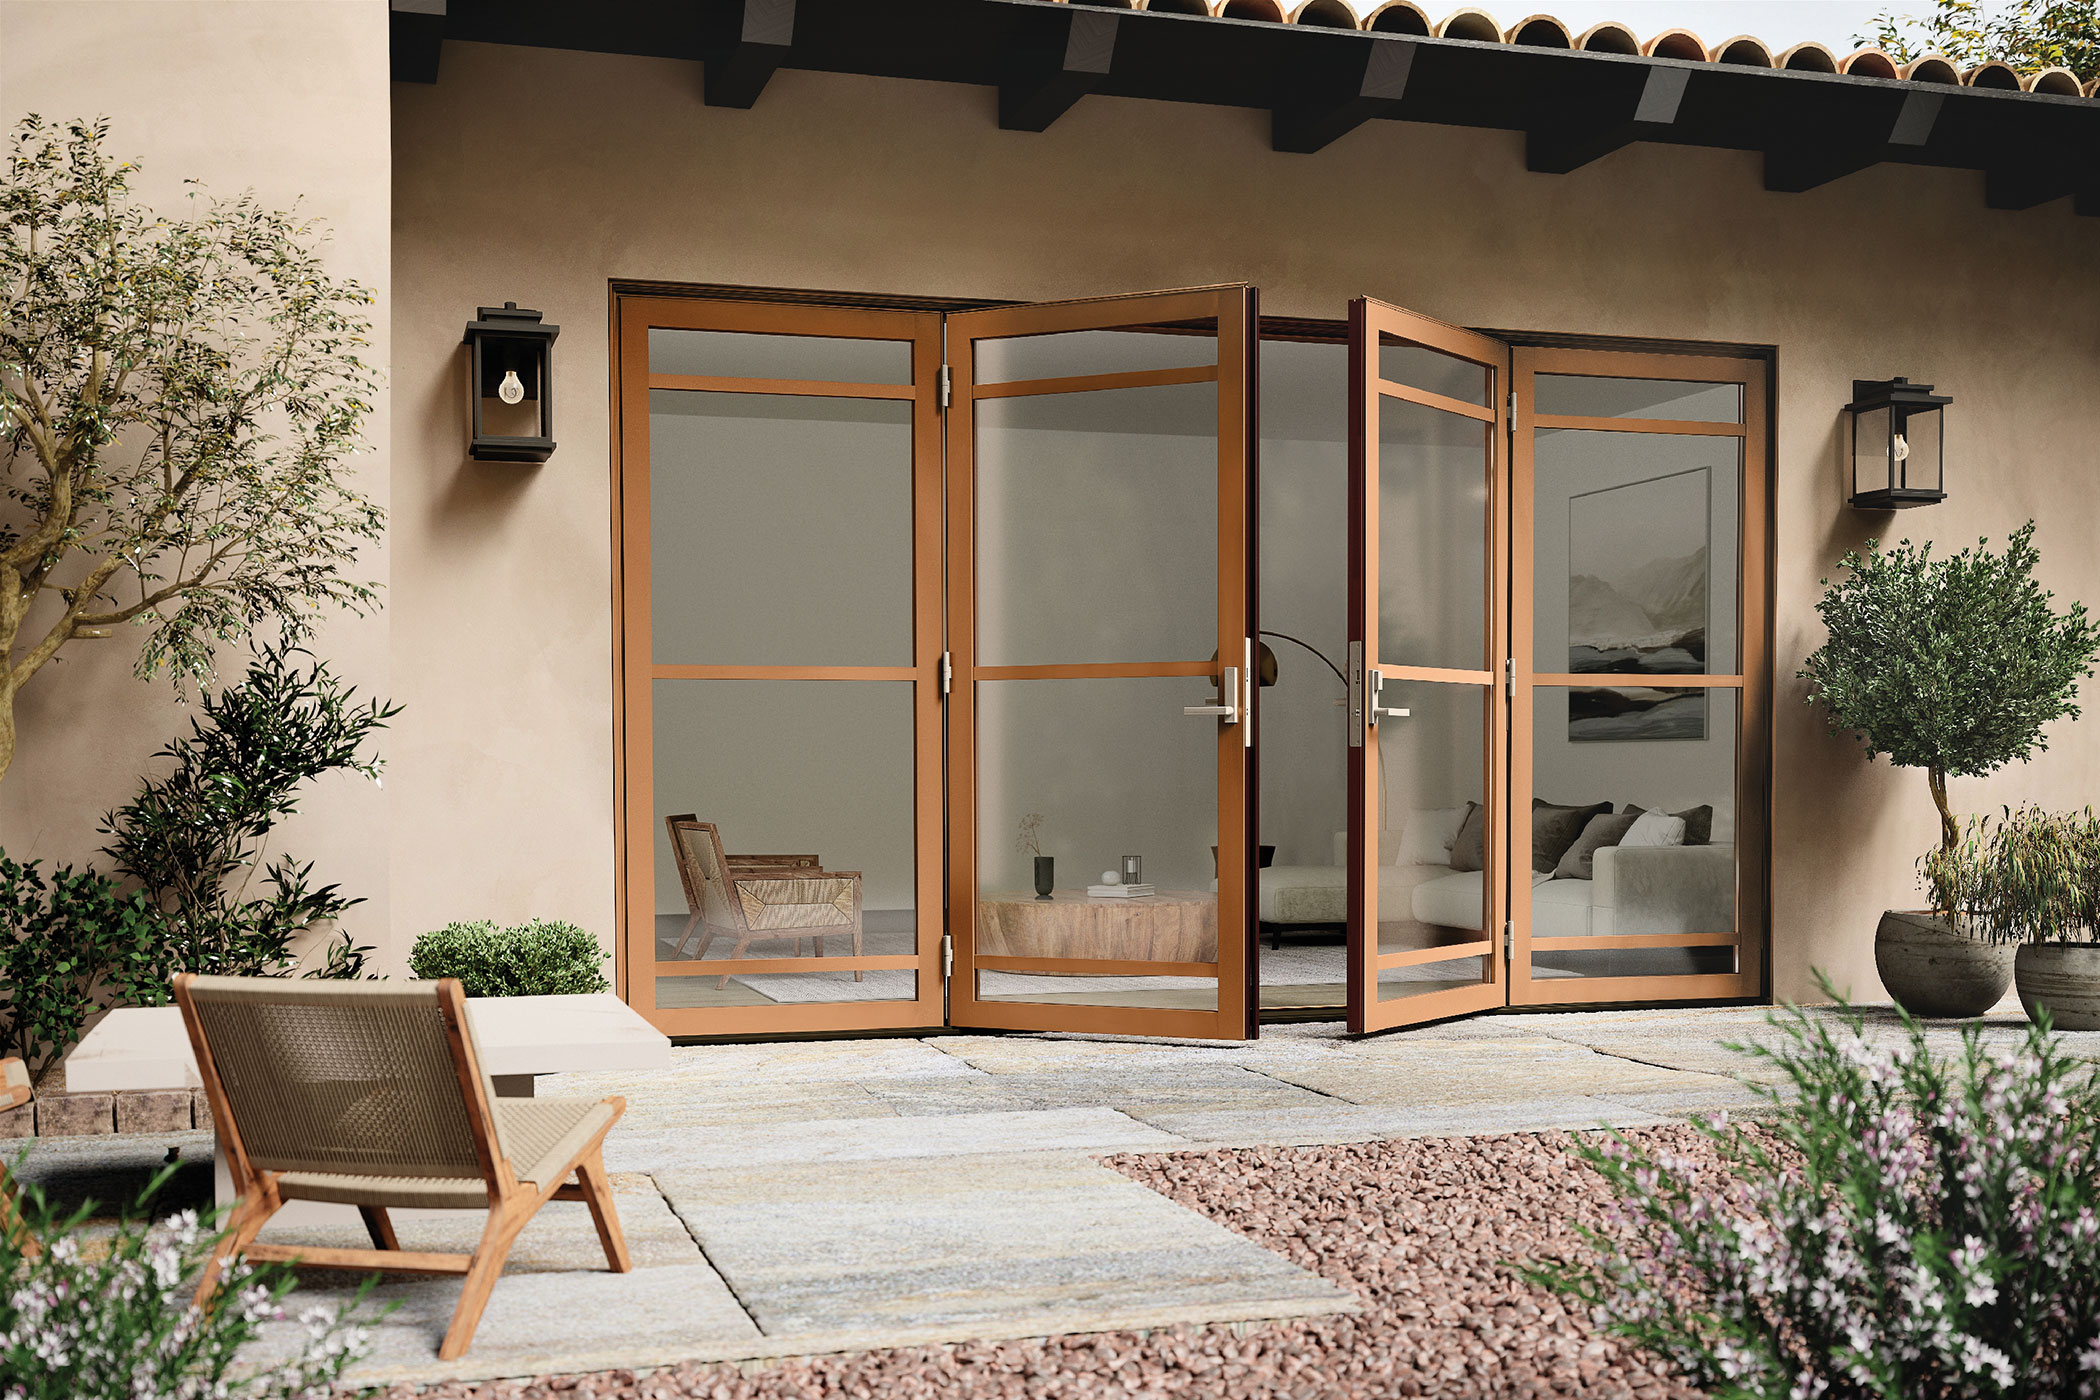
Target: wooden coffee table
{"type": "Point", "coordinates": [1171, 926]}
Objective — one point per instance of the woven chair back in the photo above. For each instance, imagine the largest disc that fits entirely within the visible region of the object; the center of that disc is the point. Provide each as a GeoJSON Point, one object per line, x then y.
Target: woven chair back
{"type": "Point", "coordinates": [703, 869]}
{"type": "Point", "coordinates": [341, 1078]}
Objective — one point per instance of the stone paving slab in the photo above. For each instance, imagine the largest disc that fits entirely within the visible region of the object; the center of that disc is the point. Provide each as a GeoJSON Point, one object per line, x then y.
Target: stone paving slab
{"type": "Point", "coordinates": [1345, 1122]}
{"type": "Point", "coordinates": [1003, 1245]}
{"type": "Point", "coordinates": [1071, 1130]}
{"type": "Point", "coordinates": [1427, 1073]}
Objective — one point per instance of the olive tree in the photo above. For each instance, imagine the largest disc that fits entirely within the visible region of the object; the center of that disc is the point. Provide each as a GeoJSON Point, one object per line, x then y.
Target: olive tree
{"type": "Point", "coordinates": [180, 397]}
{"type": "Point", "coordinates": [2029, 35]}
{"type": "Point", "coordinates": [1951, 664]}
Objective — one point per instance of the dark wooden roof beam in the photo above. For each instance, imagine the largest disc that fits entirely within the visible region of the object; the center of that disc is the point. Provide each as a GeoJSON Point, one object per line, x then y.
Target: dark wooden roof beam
{"type": "Point", "coordinates": [1072, 58]}
{"type": "Point", "coordinates": [761, 34]}
{"type": "Point", "coordinates": [1617, 107]}
{"type": "Point", "coordinates": [415, 36]}
{"type": "Point", "coordinates": [1324, 100]}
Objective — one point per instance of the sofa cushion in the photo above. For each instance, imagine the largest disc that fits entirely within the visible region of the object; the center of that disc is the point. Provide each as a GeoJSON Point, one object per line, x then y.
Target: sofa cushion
{"type": "Point", "coordinates": [1603, 830]}
{"type": "Point", "coordinates": [1654, 829]}
{"type": "Point", "coordinates": [1559, 908]}
{"type": "Point", "coordinates": [1698, 823]}
{"type": "Point", "coordinates": [1555, 828]}
{"type": "Point", "coordinates": [1468, 848]}
{"type": "Point", "coordinates": [1429, 834]}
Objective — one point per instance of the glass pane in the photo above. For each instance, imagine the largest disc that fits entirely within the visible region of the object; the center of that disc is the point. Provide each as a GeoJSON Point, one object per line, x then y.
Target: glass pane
{"type": "Point", "coordinates": [1097, 526]}
{"type": "Point", "coordinates": [1419, 367]}
{"type": "Point", "coordinates": [1921, 433]}
{"type": "Point", "coordinates": [1303, 513]}
{"type": "Point", "coordinates": [1636, 556]}
{"type": "Point", "coordinates": [1066, 353]}
{"type": "Point", "coordinates": [1432, 537]}
{"type": "Point", "coordinates": [1084, 773]}
{"type": "Point", "coordinates": [1590, 396]}
{"type": "Point", "coordinates": [780, 530]}
{"type": "Point", "coordinates": [1670, 752]}
{"type": "Point", "coordinates": [1871, 466]}
{"type": "Point", "coordinates": [1433, 833]}
{"type": "Point", "coordinates": [744, 355]}
{"type": "Point", "coordinates": [815, 778]}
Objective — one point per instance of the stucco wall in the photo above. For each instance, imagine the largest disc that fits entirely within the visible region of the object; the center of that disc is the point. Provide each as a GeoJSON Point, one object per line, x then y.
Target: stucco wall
{"type": "Point", "coordinates": [288, 99]}
{"type": "Point", "coordinates": [501, 615]}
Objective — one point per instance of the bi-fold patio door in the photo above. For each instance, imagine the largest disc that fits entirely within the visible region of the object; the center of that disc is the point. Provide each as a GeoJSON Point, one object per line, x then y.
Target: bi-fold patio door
{"type": "Point", "coordinates": [906, 600]}
{"type": "Point", "coordinates": [1558, 614]}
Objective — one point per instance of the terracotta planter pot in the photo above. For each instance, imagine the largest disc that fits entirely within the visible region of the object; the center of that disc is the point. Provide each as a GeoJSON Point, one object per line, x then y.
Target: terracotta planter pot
{"type": "Point", "coordinates": [1931, 969]}
{"type": "Point", "coordinates": [2065, 977]}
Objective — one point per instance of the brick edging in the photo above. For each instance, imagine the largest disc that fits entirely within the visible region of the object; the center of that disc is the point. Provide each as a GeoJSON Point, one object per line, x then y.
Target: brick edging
{"type": "Point", "coordinates": [55, 1112]}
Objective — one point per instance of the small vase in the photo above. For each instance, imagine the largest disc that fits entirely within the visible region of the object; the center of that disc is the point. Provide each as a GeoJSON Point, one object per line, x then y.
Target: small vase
{"type": "Point", "coordinates": [1045, 876]}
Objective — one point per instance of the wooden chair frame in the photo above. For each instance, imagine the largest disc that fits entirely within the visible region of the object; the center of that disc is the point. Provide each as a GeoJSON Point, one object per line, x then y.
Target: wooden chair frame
{"type": "Point", "coordinates": [736, 870]}
{"type": "Point", "coordinates": [512, 1202]}
{"type": "Point", "coordinates": [15, 1091]}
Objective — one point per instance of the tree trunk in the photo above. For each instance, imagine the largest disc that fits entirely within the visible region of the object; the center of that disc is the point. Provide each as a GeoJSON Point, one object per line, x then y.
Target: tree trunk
{"type": "Point", "coordinates": [1950, 831]}
{"type": "Point", "coordinates": [7, 718]}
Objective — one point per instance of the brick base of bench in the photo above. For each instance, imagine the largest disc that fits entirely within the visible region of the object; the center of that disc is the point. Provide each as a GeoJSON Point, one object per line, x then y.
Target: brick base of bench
{"type": "Point", "coordinates": [55, 1112]}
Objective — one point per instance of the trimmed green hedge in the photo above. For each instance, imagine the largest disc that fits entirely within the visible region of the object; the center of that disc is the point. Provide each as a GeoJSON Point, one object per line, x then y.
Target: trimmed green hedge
{"type": "Point", "coordinates": [541, 958]}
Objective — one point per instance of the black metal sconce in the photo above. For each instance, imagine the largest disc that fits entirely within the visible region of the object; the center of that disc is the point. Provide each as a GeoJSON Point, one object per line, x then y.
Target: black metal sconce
{"type": "Point", "coordinates": [1896, 440]}
{"type": "Point", "coordinates": [512, 356]}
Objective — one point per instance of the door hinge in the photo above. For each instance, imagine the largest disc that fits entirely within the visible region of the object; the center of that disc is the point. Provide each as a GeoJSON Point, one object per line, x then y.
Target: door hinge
{"type": "Point", "coordinates": [946, 386]}
{"type": "Point", "coordinates": [947, 672]}
{"type": "Point", "coordinates": [1509, 943]}
{"type": "Point", "coordinates": [1509, 676]}
{"type": "Point", "coordinates": [947, 956]}
{"type": "Point", "coordinates": [1356, 695]}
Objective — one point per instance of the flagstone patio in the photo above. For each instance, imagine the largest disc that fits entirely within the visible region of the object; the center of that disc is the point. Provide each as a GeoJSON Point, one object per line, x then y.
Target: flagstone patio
{"type": "Point", "coordinates": [788, 1199]}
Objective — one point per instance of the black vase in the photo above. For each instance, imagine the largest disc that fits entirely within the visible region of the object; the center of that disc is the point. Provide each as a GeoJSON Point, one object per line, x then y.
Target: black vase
{"type": "Point", "coordinates": [1045, 876]}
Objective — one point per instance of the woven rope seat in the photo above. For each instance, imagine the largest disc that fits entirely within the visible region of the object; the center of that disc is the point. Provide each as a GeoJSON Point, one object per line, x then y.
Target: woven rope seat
{"type": "Point", "coordinates": [540, 1136]}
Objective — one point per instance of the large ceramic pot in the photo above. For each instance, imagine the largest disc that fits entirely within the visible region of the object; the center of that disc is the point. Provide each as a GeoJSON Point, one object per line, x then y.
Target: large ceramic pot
{"type": "Point", "coordinates": [2065, 977]}
{"type": "Point", "coordinates": [1933, 969]}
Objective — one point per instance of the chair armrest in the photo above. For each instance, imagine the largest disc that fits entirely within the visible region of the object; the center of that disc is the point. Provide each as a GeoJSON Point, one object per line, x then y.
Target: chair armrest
{"type": "Point", "coordinates": [774, 862]}
{"type": "Point", "coordinates": [1663, 889]}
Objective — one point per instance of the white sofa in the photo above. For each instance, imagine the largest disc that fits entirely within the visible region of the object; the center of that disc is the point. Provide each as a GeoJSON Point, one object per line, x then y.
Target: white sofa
{"type": "Point", "coordinates": [1636, 890]}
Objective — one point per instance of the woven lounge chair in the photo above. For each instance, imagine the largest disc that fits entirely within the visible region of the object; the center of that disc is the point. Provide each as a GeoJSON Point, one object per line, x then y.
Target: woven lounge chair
{"type": "Point", "coordinates": [15, 1091]}
{"type": "Point", "coordinates": [759, 897]}
{"type": "Point", "coordinates": [374, 1096]}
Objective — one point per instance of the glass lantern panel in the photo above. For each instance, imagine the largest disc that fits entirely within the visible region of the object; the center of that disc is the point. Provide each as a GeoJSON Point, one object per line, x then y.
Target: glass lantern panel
{"type": "Point", "coordinates": [1923, 469]}
{"type": "Point", "coordinates": [1870, 451]}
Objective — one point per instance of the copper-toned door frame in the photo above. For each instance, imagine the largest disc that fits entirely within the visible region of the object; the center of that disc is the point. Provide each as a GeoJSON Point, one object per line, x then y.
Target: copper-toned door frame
{"type": "Point", "coordinates": [1369, 322]}
{"type": "Point", "coordinates": [636, 818]}
{"type": "Point", "coordinates": [1752, 685]}
{"type": "Point", "coordinates": [1232, 310]}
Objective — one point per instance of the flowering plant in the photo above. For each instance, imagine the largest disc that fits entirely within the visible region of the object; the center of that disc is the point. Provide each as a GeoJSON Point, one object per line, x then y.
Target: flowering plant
{"type": "Point", "coordinates": [1901, 1226]}
{"type": "Point", "coordinates": [81, 1322]}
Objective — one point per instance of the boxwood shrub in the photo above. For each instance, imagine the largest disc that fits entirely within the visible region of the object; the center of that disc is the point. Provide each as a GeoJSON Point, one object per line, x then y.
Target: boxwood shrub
{"type": "Point", "coordinates": [540, 958]}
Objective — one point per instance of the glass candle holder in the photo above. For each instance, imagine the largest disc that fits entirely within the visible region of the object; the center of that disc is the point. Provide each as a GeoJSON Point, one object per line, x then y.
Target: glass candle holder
{"type": "Point", "coordinates": [1133, 870]}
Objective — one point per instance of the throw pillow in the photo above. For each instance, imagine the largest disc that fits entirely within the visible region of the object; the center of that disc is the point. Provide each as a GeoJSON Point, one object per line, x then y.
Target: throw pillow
{"type": "Point", "coordinates": [1555, 828]}
{"type": "Point", "coordinates": [1468, 847]}
{"type": "Point", "coordinates": [1428, 835]}
{"type": "Point", "coordinates": [1698, 823]}
{"type": "Point", "coordinates": [1654, 829]}
{"type": "Point", "coordinates": [1606, 830]}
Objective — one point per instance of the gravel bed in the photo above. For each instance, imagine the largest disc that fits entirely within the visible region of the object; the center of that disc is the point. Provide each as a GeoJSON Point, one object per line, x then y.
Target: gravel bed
{"type": "Point", "coordinates": [1417, 1229]}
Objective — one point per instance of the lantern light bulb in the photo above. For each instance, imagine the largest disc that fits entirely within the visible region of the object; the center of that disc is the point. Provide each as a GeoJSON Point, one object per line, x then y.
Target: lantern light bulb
{"type": "Point", "coordinates": [511, 390]}
{"type": "Point", "coordinates": [1900, 449]}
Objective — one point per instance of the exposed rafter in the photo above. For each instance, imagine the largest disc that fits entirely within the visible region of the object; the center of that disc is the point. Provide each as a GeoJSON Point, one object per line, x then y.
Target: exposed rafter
{"type": "Point", "coordinates": [1072, 55]}
{"type": "Point", "coordinates": [761, 35]}
{"type": "Point", "coordinates": [415, 38]}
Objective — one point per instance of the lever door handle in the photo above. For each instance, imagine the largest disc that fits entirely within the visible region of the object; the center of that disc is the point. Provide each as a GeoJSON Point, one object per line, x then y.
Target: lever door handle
{"type": "Point", "coordinates": [1395, 714]}
{"type": "Point", "coordinates": [1227, 708]}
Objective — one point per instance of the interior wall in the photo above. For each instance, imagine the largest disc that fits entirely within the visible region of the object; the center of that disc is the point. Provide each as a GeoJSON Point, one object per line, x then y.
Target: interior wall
{"type": "Point", "coordinates": [288, 100]}
{"type": "Point", "coordinates": [502, 638]}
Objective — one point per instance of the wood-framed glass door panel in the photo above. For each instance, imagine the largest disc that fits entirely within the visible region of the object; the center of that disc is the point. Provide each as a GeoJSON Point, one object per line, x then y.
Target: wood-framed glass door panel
{"type": "Point", "coordinates": [1640, 643]}
{"type": "Point", "coordinates": [779, 586]}
{"type": "Point", "coordinates": [1428, 719]}
{"type": "Point", "coordinates": [1099, 555]}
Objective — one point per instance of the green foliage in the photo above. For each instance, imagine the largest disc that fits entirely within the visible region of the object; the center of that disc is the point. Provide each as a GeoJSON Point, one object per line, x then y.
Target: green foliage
{"type": "Point", "coordinates": [1951, 664]}
{"type": "Point", "coordinates": [115, 1320]}
{"type": "Point", "coordinates": [181, 395]}
{"type": "Point", "coordinates": [2029, 35]}
{"type": "Point", "coordinates": [540, 958]}
{"type": "Point", "coordinates": [1903, 1226]}
{"type": "Point", "coordinates": [194, 839]}
{"type": "Point", "coordinates": [69, 943]}
{"type": "Point", "coordinates": [2030, 877]}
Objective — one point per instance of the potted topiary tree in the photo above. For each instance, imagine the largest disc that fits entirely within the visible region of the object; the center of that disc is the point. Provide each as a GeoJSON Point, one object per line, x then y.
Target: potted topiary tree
{"type": "Point", "coordinates": [1953, 665]}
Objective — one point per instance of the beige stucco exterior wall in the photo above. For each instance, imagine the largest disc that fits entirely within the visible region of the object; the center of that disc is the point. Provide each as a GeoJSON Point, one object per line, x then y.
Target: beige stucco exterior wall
{"type": "Point", "coordinates": [288, 99]}
{"type": "Point", "coordinates": [502, 640]}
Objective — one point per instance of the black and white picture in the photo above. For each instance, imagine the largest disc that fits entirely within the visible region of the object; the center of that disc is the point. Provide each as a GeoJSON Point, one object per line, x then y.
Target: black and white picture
{"type": "Point", "coordinates": [1637, 606]}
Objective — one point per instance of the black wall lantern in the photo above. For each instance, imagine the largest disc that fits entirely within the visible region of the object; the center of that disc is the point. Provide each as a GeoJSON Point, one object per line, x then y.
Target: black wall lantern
{"type": "Point", "coordinates": [1896, 442]}
{"type": "Point", "coordinates": [511, 384]}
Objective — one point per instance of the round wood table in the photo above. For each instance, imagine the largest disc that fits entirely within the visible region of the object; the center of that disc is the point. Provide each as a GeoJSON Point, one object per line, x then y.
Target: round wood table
{"type": "Point", "coordinates": [1171, 926]}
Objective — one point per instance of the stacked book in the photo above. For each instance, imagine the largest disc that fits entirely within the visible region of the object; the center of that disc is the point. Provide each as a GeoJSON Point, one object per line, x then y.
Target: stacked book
{"type": "Point", "coordinates": [1120, 891]}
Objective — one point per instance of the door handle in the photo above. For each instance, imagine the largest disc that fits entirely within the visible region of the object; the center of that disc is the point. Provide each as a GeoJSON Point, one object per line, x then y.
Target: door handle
{"type": "Point", "coordinates": [1227, 707]}
{"type": "Point", "coordinates": [1377, 695]}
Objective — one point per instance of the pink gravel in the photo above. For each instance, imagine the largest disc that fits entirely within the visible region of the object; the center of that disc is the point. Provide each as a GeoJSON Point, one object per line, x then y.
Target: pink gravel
{"type": "Point", "coordinates": [1418, 1230]}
